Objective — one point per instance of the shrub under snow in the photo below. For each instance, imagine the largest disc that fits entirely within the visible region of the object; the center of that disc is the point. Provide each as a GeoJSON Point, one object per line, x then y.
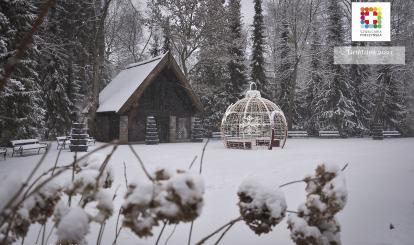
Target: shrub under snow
{"type": "Point", "coordinates": [261, 207]}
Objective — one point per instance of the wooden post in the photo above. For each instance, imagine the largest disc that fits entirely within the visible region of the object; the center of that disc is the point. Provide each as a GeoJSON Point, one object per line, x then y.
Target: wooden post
{"type": "Point", "coordinates": [173, 129]}
{"type": "Point", "coordinates": [123, 129]}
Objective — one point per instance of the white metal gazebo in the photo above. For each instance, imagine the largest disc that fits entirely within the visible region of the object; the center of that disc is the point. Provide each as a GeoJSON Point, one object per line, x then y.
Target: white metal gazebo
{"type": "Point", "coordinates": [254, 122]}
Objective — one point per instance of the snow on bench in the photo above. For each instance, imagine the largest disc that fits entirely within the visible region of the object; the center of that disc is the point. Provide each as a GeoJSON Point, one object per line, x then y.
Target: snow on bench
{"type": "Point", "coordinates": [216, 135]}
{"type": "Point", "coordinates": [3, 151]}
{"type": "Point", "coordinates": [239, 144]}
{"type": "Point", "coordinates": [62, 142]}
{"type": "Point", "coordinates": [91, 140]}
{"type": "Point", "coordinates": [25, 145]}
{"type": "Point", "coordinates": [391, 133]}
{"type": "Point", "coordinates": [292, 134]}
{"type": "Point", "coordinates": [332, 134]}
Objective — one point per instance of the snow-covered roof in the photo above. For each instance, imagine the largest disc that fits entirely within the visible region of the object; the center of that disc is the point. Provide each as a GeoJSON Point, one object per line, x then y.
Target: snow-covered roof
{"type": "Point", "coordinates": [121, 88]}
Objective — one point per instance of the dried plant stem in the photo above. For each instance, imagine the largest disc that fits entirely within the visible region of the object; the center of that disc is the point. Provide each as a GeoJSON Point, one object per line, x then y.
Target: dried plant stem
{"type": "Point", "coordinates": [200, 171]}
{"type": "Point", "coordinates": [73, 176]}
{"type": "Point", "coordinates": [101, 230]}
{"type": "Point", "coordinates": [117, 231]}
{"type": "Point", "coordinates": [230, 223]}
{"type": "Point", "coordinates": [303, 180]}
{"type": "Point", "coordinates": [125, 177]}
{"type": "Point", "coordinates": [43, 233]}
{"type": "Point", "coordinates": [15, 206]}
{"type": "Point", "coordinates": [105, 163]}
{"type": "Point", "coordinates": [162, 231]}
{"type": "Point", "coordinates": [32, 173]}
{"type": "Point", "coordinates": [56, 161]}
{"type": "Point", "coordinates": [24, 45]}
{"type": "Point", "coordinates": [202, 155]}
{"type": "Point", "coordinates": [192, 162]}
{"type": "Point", "coordinates": [61, 170]}
{"type": "Point", "coordinates": [38, 234]}
{"type": "Point", "coordinates": [50, 234]}
{"type": "Point", "coordinates": [171, 234]}
{"type": "Point", "coordinates": [224, 233]}
{"type": "Point", "coordinates": [141, 163]}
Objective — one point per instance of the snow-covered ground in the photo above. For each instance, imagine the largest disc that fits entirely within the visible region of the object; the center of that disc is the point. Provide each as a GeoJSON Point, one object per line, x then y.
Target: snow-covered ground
{"type": "Point", "coordinates": [380, 181]}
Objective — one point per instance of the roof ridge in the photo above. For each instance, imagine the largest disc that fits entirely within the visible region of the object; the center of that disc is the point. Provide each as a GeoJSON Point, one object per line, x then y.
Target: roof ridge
{"type": "Point", "coordinates": [144, 62]}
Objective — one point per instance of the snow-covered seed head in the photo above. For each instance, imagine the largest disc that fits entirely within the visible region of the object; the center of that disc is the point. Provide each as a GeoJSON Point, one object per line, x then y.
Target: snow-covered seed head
{"type": "Point", "coordinates": [73, 226]}
{"type": "Point", "coordinates": [315, 222]}
{"type": "Point", "coordinates": [104, 205]}
{"type": "Point", "coordinates": [41, 205]}
{"type": "Point", "coordinates": [137, 212]}
{"type": "Point", "coordinates": [139, 220]}
{"type": "Point", "coordinates": [21, 223]}
{"type": "Point", "coordinates": [181, 198]}
{"type": "Point", "coordinates": [302, 233]}
{"type": "Point", "coordinates": [326, 190]}
{"type": "Point", "coordinates": [172, 196]}
{"type": "Point", "coordinates": [261, 207]}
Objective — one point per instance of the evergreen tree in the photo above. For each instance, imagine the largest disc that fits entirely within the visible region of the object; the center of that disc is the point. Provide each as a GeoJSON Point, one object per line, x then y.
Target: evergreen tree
{"type": "Point", "coordinates": [166, 45]}
{"type": "Point", "coordinates": [389, 102]}
{"type": "Point", "coordinates": [359, 79]}
{"type": "Point", "coordinates": [155, 46]}
{"type": "Point", "coordinates": [59, 91]}
{"type": "Point", "coordinates": [258, 74]}
{"type": "Point", "coordinates": [21, 115]}
{"type": "Point", "coordinates": [335, 105]}
{"type": "Point", "coordinates": [313, 84]}
{"type": "Point", "coordinates": [284, 67]}
{"type": "Point", "coordinates": [236, 66]}
{"type": "Point", "coordinates": [212, 78]}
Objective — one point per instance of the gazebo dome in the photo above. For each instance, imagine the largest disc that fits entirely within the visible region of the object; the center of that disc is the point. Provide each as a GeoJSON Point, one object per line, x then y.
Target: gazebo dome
{"type": "Point", "coordinates": [253, 122]}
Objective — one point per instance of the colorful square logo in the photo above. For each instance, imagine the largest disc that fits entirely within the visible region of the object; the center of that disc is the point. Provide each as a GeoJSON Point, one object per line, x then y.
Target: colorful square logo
{"type": "Point", "coordinates": [371, 17]}
{"type": "Point", "coordinates": [371, 21]}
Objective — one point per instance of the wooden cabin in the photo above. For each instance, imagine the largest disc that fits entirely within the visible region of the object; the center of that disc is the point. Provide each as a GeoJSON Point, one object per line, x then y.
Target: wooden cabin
{"type": "Point", "coordinates": [155, 87]}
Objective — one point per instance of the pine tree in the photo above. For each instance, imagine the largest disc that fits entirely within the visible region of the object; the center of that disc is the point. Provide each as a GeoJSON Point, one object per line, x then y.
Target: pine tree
{"type": "Point", "coordinates": [284, 67]}
{"type": "Point", "coordinates": [258, 74]}
{"type": "Point", "coordinates": [155, 46]}
{"type": "Point", "coordinates": [236, 66]}
{"type": "Point", "coordinates": [212, 76]}
{"type": "Point", "coordinates": [389, 102]}
{"type": "Point", "coordinates": [335, 104]}
{"type": "Point", "coordinates": [359, 76]}
{"type": "Point", "coordinates": [313, 84]}
{"type": "Point", "coordinates": [21, 115]}
{"type": "Point", "coordinates": [59, 92]}
{"type": "Point", "coordinates": [166, 45]}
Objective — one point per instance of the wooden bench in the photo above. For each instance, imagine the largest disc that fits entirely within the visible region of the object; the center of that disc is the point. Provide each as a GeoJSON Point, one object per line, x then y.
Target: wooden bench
{"type": "Point", "coordinates": [391, 133]}
{"type": "Point", "coordinates": [292, 134]}
{"type": "Point", "coordinates": [62, 142]}
{"type": "Point", "coordinates": [26, 145]}
{"type": "Point", "coordinates": [3, 151]}
{"type": "Point", "coordinates": [216, 135]}
{"type": "Point", "coordinates": [263, 142]}
{"type": "Point", "coordinates": [91, 141]}
{"type": "Point", "coordinates": [329, 134]}
{"type": "Point", "coordinates": [239, 144]}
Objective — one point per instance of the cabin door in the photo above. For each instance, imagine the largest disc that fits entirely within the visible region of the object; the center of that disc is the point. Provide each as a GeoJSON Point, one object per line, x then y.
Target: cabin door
{"type": "Point", "coordinates": [163, 124]}
{"type": "Point", "coordinates": [183, 128]}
